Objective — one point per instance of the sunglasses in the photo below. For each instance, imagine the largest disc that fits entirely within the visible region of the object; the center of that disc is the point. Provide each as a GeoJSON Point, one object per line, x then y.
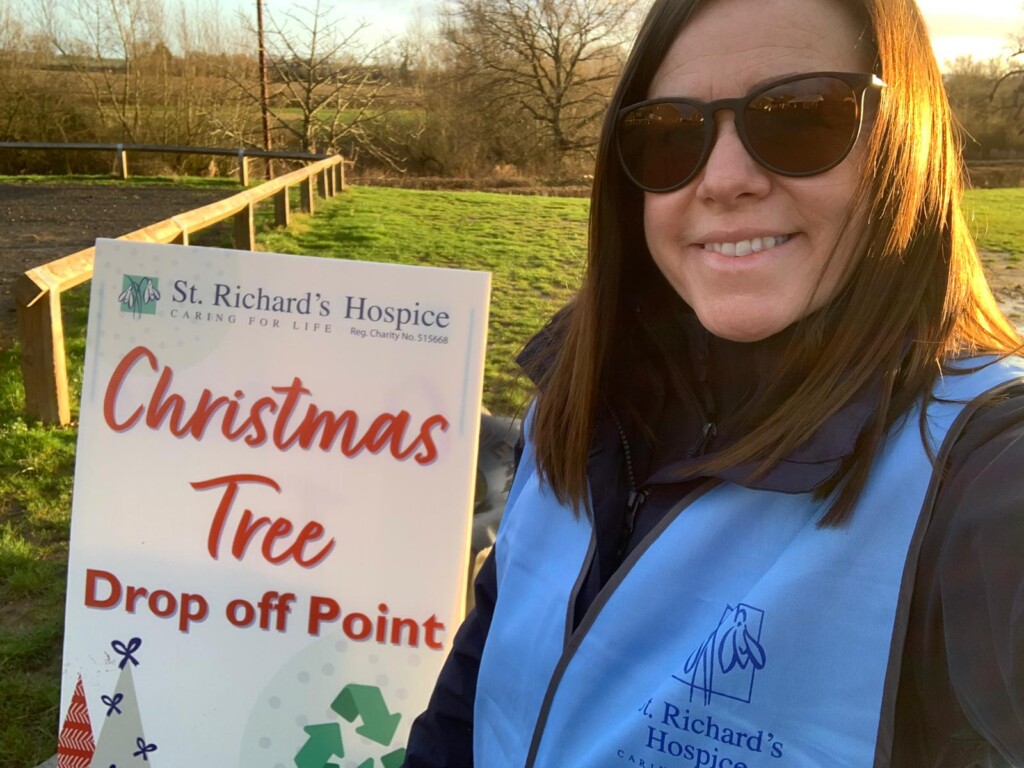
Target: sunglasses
{"type": "Point", "coordinates": [797, 126]}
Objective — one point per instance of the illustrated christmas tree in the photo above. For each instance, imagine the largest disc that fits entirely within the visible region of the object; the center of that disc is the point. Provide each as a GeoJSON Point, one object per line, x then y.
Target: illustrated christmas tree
{"type": "Point", "coordinates": [75, 745]}
{"type": "Point", "coordinates": [122, 742]}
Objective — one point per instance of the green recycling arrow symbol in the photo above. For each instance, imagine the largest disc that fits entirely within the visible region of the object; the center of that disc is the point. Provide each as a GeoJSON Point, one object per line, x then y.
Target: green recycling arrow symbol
{"type": "Point", "coordinates": [324, 743]}
{"type": "Point", "coordinates": [390, 760]}
{"type": "Point", "coordinates": [367, 702]}
{"type": "Point", "coordinates": [379, 725]}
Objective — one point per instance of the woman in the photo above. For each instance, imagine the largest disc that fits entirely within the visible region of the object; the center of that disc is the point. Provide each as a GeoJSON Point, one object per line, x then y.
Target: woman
{"type": "Point", "coordinates": [736, 535]}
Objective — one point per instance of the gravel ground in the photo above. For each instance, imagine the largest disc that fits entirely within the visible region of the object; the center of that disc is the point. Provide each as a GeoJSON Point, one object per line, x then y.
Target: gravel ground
{"type": "Point", "coordinates": [43, 222]}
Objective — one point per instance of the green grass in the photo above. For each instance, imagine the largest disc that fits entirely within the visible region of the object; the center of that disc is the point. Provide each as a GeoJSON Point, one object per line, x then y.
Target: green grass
{"type": "Point", "coordinates": [534, 247]}
{"type": "Point", "coordinates": [996, 220]}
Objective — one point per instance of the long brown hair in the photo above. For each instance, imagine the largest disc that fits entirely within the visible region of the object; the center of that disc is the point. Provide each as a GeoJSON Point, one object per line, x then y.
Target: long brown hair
{"type": "Point", "coordinates": [915, 297]}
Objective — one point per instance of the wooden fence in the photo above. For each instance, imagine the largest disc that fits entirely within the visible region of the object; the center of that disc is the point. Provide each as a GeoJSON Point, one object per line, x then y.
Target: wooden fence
{"type": "Point", "coordinates": [37, 292]}
{"type": "Point", "coordinates": [121, 151]}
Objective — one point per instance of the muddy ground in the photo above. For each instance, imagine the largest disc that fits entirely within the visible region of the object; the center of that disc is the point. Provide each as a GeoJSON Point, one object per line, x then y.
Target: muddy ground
{"type": "Point", "coordinates": [42, 222]}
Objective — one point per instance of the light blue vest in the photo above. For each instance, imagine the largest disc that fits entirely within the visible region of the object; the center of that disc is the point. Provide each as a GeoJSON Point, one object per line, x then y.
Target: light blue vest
{"type": "Point", "coordinates": [738, 635]}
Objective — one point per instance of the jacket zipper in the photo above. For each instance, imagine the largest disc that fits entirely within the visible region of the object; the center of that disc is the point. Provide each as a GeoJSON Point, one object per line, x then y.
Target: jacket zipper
{"type": "Point", "coordinates": [707, 433]}
{"type": "Point", "coordinates": [635, 499]}
{"type": "Point", "coordinates": [638, 494]}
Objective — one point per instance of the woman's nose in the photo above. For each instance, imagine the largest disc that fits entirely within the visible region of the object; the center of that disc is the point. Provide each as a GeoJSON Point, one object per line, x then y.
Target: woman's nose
{"type": "Point", "coordinates": [730, 174]}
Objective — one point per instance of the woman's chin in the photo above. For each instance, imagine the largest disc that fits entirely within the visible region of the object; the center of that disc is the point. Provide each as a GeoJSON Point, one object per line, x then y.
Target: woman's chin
{"type": "Point", "coordinates": [742, 327]}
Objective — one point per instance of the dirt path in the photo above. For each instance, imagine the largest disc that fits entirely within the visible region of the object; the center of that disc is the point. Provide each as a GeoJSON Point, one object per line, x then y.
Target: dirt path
{"type": "Point", "coordinates": [1006, 277]}
{"type": "Point", "coordinates": [42, 222]}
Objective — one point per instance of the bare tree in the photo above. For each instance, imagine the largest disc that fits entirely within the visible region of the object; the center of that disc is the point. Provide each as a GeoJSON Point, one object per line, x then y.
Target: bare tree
{"type": "Point", "coordinates": [213, 56]}
{"type": "Point", "coordinates": [107, 43]}
{"type": "Point", "coordinates": [14, 97]}
{"type": "Point", "coordinates": [987, 97]}
{"type": "Point", "coordinates": [1010, 84]}
{"type": "Point", "coordinates": [326, 88]}
{"type": "Point", "coordinates": [554, 61]}
{"type": "Point", "coordinates": [36, 103]}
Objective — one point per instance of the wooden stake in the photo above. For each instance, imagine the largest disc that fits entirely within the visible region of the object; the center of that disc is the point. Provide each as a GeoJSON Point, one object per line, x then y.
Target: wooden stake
{"type": "Point", "coordinates": [43, 363]}
{"type": "Point", "coordinates": [308, 201]}
{"type": "Point", "coordinates": [282, 209]}
{"type": "Point", "coordinates": [245, 229]}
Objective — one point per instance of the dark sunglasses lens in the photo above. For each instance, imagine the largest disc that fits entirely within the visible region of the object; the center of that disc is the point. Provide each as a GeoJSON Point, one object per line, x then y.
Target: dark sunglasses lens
{"type": "Point", "coordinates": [661, 144]}
{"type": "Point", "coordinates": [804, 126]}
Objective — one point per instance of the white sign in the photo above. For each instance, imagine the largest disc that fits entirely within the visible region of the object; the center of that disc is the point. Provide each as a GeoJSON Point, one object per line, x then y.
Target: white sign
{"type": "Point", "coordinates": [272, 503]}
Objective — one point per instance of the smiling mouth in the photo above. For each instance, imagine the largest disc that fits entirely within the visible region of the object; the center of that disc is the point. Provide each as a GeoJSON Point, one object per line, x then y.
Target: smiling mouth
{"type": "Point", "coordinates": [746, 247]}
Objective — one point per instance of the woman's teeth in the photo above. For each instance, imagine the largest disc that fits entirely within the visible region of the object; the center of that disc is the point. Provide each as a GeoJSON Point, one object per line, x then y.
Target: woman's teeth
{"type": "Point", "coordinates": [746, 247]}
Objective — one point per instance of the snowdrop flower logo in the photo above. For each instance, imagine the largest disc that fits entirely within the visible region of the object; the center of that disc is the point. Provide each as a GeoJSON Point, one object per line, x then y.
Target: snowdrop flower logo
{"type": "Point", "coordinates": [725, 663]}
{"type": "Point", "coordinates": [139, 295]}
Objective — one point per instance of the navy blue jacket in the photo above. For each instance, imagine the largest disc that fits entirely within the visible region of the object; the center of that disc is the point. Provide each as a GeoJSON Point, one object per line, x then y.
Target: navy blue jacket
{"type": "Point", "coordinates": [960, 702]}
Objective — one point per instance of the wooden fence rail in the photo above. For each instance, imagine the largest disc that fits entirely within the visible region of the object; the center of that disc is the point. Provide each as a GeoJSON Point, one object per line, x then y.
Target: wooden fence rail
{"type": "Point", "coordinates": [121, 153]}
{"type": "Point", "coordinates": [37, 292]}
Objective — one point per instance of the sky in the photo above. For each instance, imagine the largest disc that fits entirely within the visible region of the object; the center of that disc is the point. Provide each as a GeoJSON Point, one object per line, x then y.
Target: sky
{"type": "Point", "coordinates": [981, 30]}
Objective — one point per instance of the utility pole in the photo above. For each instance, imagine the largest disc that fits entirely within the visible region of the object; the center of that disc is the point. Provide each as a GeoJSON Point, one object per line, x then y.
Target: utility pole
{"type": "Point", "coordinates": [264, 94]}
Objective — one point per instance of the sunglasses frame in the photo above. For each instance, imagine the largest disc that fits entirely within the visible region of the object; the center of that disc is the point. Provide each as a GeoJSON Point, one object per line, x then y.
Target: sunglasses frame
{"type": "Point", "coordinates": [859, 83]}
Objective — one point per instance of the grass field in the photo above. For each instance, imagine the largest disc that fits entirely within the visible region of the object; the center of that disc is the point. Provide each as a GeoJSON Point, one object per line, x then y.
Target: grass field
{"type": "Point", "coordinates": [533, 245]}
{"type": "Point", "coordinates": [997, 221]}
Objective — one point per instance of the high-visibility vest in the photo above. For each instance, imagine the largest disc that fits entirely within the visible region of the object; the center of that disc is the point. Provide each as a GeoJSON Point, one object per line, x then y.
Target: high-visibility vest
{"type": "Point", "coordinates": [739, 634]}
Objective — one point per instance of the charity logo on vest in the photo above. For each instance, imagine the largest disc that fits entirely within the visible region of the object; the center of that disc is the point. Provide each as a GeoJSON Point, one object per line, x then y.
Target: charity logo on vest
{"type": "Point", "coordinates": [725, 663]}
{"type": "Point", "coordinates": [722, 667]}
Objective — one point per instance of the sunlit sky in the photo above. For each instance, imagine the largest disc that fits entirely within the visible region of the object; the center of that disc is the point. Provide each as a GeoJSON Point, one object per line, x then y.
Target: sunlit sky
{"type": "Point", "coordinates": [982, 30]}
{"type": "Point", "coordinates": [977, 27]}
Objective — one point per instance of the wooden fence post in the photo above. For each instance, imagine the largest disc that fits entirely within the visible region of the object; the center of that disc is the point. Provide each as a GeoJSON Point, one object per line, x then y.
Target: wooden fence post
{"type": "Point", "coordinates": [43, 363]}
{"type": "Point", "coordinates": [121, 162]}
{"type": "Point", "coordinates": [282, 208]}
{"type": "Point", "coordinates": [243, 168]}
{"type": "Point", "coordinates": [321, 183]}
{"type": "Point", "coordinates": [308, 203]}
{"type": "Point", "coordinates": [245, 229]}
{"type": "Point", "coordinates": [339, 175]}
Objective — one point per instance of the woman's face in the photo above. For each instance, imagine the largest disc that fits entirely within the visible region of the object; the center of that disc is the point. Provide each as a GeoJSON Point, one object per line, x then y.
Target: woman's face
{"type": "Point", "coordinates": [729, 48]}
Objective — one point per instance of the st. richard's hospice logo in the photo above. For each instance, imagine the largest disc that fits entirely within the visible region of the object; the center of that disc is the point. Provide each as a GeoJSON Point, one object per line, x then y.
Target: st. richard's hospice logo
{"type": "Point", "coordinates": [139, 295]}
{"type": "Point", "coordinates": [725, 663]}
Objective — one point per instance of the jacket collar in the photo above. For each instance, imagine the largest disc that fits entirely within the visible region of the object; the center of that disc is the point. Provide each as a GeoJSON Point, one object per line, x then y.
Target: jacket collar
{"type": "Point", "coordinates": [677, 378]}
